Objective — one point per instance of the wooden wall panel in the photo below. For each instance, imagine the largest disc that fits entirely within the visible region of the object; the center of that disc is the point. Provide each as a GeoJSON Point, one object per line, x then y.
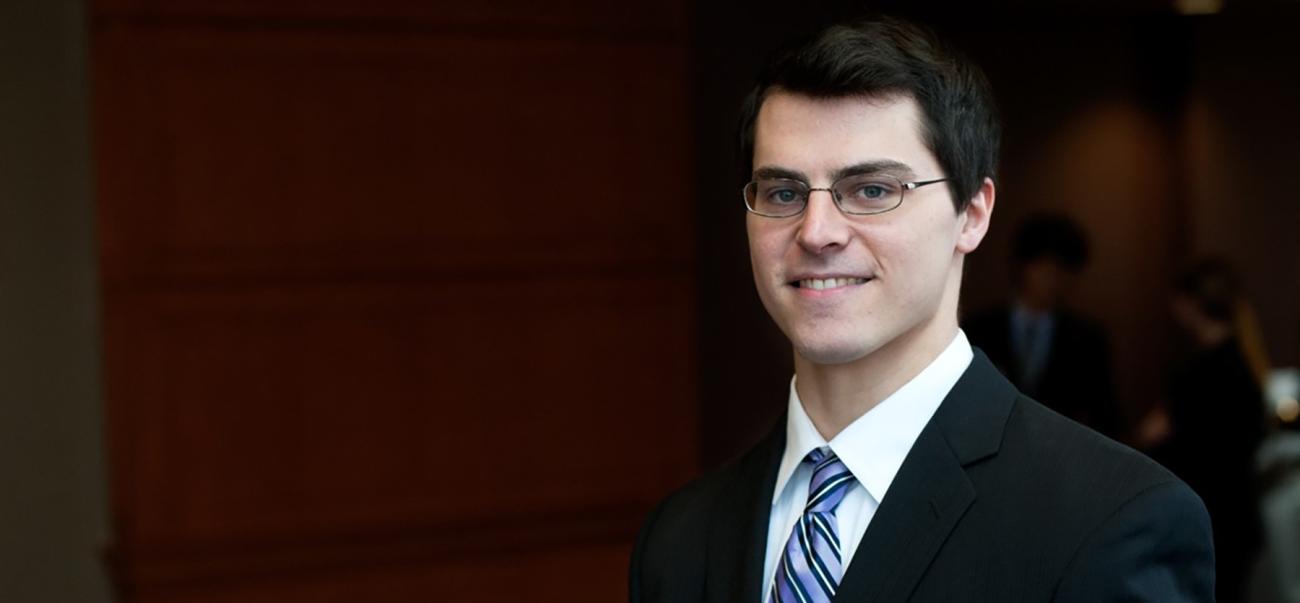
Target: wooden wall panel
{"type": "Point", "coordinates": [545, 576]}
{"type": "Point", "coordinates": [395, 310]}
{"type": "Point", "coordinates": [259, 152]}
{"type": "Point", "coordinates": [556, 18]}
{"type": "Point", "coordinates": [277, 411]}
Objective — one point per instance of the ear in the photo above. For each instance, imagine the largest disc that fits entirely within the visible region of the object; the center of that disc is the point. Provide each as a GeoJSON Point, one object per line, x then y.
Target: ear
{"type": "Point", "coordinates": [975, 218]}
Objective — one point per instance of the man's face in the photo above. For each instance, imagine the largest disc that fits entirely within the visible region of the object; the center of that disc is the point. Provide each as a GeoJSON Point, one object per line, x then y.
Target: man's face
{"type": "Point", "coordinates": [897, 274]}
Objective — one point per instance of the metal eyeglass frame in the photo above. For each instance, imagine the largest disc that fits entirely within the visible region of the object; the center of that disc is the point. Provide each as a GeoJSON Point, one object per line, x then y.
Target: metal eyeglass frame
{"type": "Point", "coordinates": [835, 196]}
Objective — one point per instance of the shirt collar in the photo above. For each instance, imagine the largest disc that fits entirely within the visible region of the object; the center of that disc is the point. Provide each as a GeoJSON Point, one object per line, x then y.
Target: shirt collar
{"type": "Point", "coordinates": [875, 444]}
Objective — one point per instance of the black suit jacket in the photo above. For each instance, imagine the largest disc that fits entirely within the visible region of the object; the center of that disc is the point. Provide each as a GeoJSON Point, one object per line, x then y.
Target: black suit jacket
{"type": "Point", "coordinates": [1077, 380]}
{"type": "Point", "coordinates": [1000, 500]}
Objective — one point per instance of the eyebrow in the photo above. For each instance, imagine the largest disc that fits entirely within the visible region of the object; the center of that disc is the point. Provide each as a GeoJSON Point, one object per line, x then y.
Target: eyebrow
{"type": "Point", "coordinates": [882, 166]}
{"type": "Point", "coordinates": [767, 172]}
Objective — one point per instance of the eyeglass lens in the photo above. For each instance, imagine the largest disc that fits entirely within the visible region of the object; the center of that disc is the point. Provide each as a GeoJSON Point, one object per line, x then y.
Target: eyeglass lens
{"type": "Point", "coordinates": [864, 194]}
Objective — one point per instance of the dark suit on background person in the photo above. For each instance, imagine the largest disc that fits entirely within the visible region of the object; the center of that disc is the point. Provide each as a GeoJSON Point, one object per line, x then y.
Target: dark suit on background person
{"type": "Point", "coordinates": [1076, 379]}
{"type": "Point", "coordinates": [1217, 426]}
{"type": "Point", "coordinates": [1216, 419]}
{"type": "Point", "coordinates": [999, 500]}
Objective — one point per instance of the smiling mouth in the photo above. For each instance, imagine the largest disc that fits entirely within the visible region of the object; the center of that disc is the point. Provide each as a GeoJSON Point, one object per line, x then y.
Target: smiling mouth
{"type": "Point", "coordinates": [819, 284]}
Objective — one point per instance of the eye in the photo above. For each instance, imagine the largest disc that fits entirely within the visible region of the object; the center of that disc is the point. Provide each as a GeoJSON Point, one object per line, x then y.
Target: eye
{"type": "Point", "coordinates": [871, 191]}
{"type": "Point", "coordinates": [869, 194]}
{"type": "Point", "coordinates": [780, 192]}
{"type": "Point", "coordinates": [783, 196]}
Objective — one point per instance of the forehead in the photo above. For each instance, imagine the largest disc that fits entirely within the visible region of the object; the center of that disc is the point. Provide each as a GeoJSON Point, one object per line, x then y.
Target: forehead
{"type": "Point", "coordinates": [820, 135]}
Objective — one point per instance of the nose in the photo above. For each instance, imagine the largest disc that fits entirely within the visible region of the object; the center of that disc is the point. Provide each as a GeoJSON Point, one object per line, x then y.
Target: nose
{"type": "Point", "coordinates": [822, 227]}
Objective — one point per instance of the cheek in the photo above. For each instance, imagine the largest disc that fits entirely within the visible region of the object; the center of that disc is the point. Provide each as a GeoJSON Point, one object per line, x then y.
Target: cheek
{"type": "Point", "coordinates": [914, 266]}
{"type": "Point", "coordinates": [766, 247]}
{"type": "Point", "coordinates": [755, 244]}
{"type": "Point", "coordinates": [937, 240]}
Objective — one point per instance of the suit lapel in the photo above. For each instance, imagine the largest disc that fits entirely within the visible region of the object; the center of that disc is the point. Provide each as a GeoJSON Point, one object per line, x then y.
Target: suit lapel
{"type": "Point", "coordinates": [738, 532]}
{"type": "Point", "coordinates": [931, 491]}
{"type": "Point", "coordinates": [922, 506]}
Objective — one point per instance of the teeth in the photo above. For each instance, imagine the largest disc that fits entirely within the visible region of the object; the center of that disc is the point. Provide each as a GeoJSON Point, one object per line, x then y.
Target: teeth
{"type": "Point", "coordinates": [819, 284]}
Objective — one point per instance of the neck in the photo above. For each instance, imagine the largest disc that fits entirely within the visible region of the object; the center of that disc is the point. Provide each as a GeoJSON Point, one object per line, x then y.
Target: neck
{"type": "Point", "coordinates": [835, 395]}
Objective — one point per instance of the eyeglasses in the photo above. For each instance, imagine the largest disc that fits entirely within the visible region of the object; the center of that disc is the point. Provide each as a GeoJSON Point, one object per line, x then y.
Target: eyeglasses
{"type": "Point", "coordinates": [859, 195]}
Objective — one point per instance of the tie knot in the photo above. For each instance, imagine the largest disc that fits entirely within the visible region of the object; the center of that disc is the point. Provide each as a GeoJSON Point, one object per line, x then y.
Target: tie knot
{"type": "Point", "coordinates": [830, 481]}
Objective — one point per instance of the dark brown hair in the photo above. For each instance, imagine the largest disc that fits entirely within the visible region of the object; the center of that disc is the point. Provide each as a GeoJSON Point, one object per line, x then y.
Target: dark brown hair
{"type": "Point", "coordinates": [885, 56]}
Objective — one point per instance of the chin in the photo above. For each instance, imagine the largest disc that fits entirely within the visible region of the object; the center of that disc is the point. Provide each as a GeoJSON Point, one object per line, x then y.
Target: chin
{"type": "Point", "coordinates": [831, 351]}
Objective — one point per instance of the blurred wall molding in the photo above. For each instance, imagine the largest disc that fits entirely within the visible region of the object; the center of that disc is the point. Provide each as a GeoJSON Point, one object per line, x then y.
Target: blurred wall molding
{"type": "Point", "coordinates": [494, 540]}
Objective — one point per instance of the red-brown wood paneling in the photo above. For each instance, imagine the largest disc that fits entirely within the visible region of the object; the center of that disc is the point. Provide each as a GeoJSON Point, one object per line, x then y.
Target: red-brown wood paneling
{"type": "Point", "coordinates": [541, 576]}
{"type": "Point", "coordinates": [278, 152]}
{"type": "Point", "coordinates": [398, 302]}
{"type": "Point", "coordinates": [559, 18]}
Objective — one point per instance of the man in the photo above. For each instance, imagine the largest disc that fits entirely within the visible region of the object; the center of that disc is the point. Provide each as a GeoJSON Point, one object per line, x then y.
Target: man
{"type": "Point", "coordinates": [1049, 352]}
{"type": "Point", "coordinates": [907, 467]}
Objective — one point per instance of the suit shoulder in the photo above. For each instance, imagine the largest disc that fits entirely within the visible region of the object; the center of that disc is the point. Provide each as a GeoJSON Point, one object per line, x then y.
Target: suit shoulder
{"type": "Point", "coordinates": [669, 559]}
{"type": "Point", "coordinates": [689, 507]}
{"type": "Point", "coordinates": [1065, 500]}
{"type": "Point", "coordinates": [682, 516]}
{"type": "Point", "coordinates": [1071, 461]}
{"type": "Point", "coordinates": [1157, 545]}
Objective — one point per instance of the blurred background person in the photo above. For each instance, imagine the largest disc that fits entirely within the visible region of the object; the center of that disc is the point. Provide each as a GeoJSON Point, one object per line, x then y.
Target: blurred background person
{"type": "Point", "coordinates": [1050, 352]}
{"type": "Point", "coordinates": [1212, 422]}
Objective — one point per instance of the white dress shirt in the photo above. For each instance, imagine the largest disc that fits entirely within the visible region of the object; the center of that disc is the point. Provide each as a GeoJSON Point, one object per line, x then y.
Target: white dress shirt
{"type": "Point", "coordinates": [873, 447]}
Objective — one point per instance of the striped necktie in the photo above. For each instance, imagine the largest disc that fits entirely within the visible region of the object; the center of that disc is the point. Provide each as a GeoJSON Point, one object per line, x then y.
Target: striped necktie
{"type": "Point", "coordinates": [810, 568]}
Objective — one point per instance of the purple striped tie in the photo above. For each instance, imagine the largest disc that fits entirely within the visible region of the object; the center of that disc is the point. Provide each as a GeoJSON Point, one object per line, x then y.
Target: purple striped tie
{"type": "Point", "coordinates": [810, 568]}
